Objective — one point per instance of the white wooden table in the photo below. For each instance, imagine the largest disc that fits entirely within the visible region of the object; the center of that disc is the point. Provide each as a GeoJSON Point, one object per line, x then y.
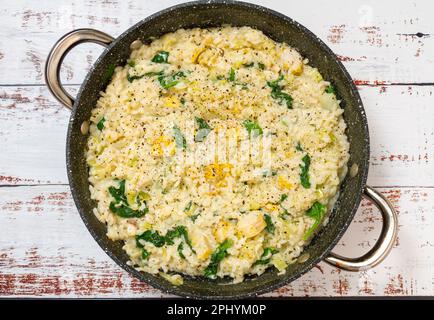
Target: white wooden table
{"type": "Point", "coordinates": [45, 249]}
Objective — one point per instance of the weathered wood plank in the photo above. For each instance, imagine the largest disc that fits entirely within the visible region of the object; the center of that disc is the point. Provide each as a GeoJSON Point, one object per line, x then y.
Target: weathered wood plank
{"type": "Point", "coordinates": [33, 130]}
{"type": "Point", "coordinates": [377, 44]}
{"type": "Point", "coordinates": [45, 250]}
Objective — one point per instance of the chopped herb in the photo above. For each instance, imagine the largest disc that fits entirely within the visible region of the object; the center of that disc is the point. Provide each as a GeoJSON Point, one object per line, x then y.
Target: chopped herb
{"type": "Point", "coordinates": [298, 147]}
{"type": "Point", "coordinates": [188, 206]}
{"type": "Point", "coordinates": [168, 82]}
{"type": "Point", "coordinates": [121, 206]}
{"type": "Point", "coordinates": [261, 65]}
{"type": "Point", "coordinates": [194, 217]}
{"type": "Point", "coordinates": [220, 77]}
{"type": "Point", "coordinates": [253, 128]}
{"type": "Point", "coordinates": [181, 74]}
{"type": "Point", "coordinates": [182, 100]}
{"type": "Point", "coordinates": [330, 89]}
{"type": "Point", "coordinates": [153, 73]}
{"type": "Point", "coordinates": [248, 65]}
{"type": "Point", "coordinates": [284, 213]}
{"type": "Point", "coordinates": [204, 130]}
{"type": "Point", "coordinates": [179, 231]}
{"type": "Point", "coordinates": [184, 233]}
{"type": "Point", "coordinates": [145, 254]}
{"type": "Point", "coordinates": [278, 94]}
{"type": "Point", "coordinates": [158, 240]}
{"type": "Point", "coordinates": [316, 212]}
{"type": "Point", "coordinates": [265, 257]}
{"type": "Point", "coordinates": [202, 123]}
{"type": "Point", "coordinates": [270, 227]}
{"type": "Point", "coordinates": [180, 140]}
{"type": "Point", "coordinates": [180, 248]}
{"type": "Point", "coordinates": [218, 255]}
{"type": "Point", "coordinates": [151, 236]}
{"type": "Point", "coordinates": [100, 124]}
{"type": "Point", "coordinates": [109, 71]}
{"type": "Point", "coordinates": [231, 75]}
{"type": "Point", "coordinates": [131, 63]}
{"type": "Point", "coordinates": [132, 78]}
{"type": "Point", "coordinates": [147, 74]}
{"type": "Point", "coordinates": [283, 197]}
{"type": "Point", "coordinates": [118, 194]}
{"type": "Point", "coordinates": [161, 57]}
{"type": "Point", "coordinates": [304, 174]}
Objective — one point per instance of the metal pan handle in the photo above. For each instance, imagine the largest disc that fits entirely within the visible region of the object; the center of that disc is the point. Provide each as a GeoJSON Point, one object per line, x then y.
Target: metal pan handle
{"type": "Point", "coordinates": [384, 243]}
{"type": "Point", "coordinates": [58, 53]}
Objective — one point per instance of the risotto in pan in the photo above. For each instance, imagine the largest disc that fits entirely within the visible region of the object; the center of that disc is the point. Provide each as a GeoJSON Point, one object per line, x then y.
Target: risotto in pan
{"type": "Point", "coordinates": [215, 152]}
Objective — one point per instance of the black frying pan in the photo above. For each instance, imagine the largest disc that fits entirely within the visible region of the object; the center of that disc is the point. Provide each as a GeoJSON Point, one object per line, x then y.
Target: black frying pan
{"type": "Point", "coordinates": [280, 28]}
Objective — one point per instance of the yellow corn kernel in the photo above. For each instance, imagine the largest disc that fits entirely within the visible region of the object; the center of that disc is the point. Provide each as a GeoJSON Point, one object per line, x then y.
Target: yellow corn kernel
{"type": "Point", "coordinates": [253, 205]}
{"type": "Point", "coordinates": [162, 145]}
{"type": "Point", "coordinates": [172, 102]}
{"type": "Point", "coordinates": [283, 183]}
{"type": "Point", "coordinates": [236, 110]}
{"type": "Point", "coordinates": [271, 207]}
{"type": "Point", "coordinates": [298, 70]}
{"type": "Point", "coordinates": [217, 172]}
{"type": "Point", "coordinates": [131, 198]}
{"type": "Point", "coordinates": [146, 225]}
{"type": "Point", "coordinates": [237, 64]}
{"type": "Point", "coordinates": [289, 154]}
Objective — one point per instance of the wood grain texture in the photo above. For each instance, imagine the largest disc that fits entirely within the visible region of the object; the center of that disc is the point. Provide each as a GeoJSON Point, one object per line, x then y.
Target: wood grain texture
{"type": "Point", "coordinates": [64, 260]}
{"type": "Point", "coordinates": [377, 44]}
{"type": "Point", "coordinates": [46, 251]}
{"type": "Point", "coordinates": [33, 130]}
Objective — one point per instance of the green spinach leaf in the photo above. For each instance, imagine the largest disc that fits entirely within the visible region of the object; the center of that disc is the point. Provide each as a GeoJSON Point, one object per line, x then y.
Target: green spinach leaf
{"type": "Point", "coordinates": [231, 75]}
{"type": "Point", "coordinates": [161, 57]}
{"type": "Point", "coordinates": [265, 257]}
{"type": "Point", "coordinates": [253, 128]}
{"type": "Point", "coordinates": [218, 255]}
{"type": "Point", "coordinates": [304, 174]}
{"type": "Point", "coordinates": [120, 205]}
{"type": "Point", "coordinates": [100, 124]}
{"type": "Point", "coordinates": [180, 248]}
{"type": "Point", "coordinates": [330, 89]}
{"type": "Point", "coordinates": [270, 227]}
{"type": "Point", "coordinates": [151, 236]}
{"type": "Point", "coordinates": [317, 212]}
{"type": "Point", "coordinates": [278, 94]}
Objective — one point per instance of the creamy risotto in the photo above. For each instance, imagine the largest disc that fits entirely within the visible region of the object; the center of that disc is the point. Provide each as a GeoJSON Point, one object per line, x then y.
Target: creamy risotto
{"type": "Point", "coordinates": [215, 152]}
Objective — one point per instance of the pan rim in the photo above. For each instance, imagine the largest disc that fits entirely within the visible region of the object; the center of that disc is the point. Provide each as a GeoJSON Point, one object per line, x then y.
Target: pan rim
{"type": "Point", "coordinates": [363, 167]}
